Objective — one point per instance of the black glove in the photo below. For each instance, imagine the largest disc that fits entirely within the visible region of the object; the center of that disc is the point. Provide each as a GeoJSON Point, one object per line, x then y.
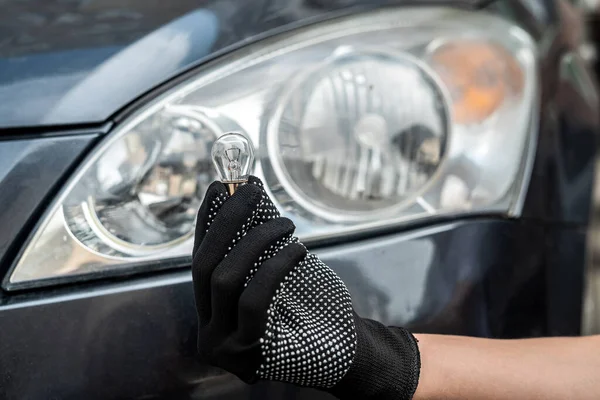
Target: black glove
{"type": "Point", "coordinates": [268, 309]}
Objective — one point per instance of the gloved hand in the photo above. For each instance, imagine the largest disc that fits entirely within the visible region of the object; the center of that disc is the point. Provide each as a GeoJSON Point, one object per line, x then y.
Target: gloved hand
{"type": "Point", "coordinates": [268, 309]}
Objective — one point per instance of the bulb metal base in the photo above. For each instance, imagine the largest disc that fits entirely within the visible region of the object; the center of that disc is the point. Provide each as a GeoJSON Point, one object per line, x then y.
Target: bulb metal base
{"type": "Point", "coordinates": [233, 185]}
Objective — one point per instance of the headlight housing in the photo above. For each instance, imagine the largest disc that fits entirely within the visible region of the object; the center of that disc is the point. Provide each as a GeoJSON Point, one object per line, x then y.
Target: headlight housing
{"type": "Point", "coordinates": [360, 123]}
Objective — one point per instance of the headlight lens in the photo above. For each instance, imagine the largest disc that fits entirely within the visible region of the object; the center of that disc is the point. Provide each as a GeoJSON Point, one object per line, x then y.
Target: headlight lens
{"type": "Point", "coordinates": [141, 195]}
{"type": "Point", "coordinates": [361, 133]}
{"type": "Point", "coordinates": [359, 123]}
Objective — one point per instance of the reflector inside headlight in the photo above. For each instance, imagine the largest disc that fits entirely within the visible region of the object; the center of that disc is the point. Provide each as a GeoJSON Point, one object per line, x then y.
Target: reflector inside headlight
{"type": "Point", "coordinates": [363, 132]}
{"type": "Point", "coordinates": [359, 123]}
{"type": "Point", "coordinates": [141, 195]}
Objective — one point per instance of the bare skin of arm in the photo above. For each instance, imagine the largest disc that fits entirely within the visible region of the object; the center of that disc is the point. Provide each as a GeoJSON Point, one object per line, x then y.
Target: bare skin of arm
{"type": "Point", "coordinates": [454, 367]}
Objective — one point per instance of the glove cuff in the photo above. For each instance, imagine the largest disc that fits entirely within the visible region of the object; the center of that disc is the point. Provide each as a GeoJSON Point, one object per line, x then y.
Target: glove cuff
{"type": "Point", "coordinates": [386, 366]}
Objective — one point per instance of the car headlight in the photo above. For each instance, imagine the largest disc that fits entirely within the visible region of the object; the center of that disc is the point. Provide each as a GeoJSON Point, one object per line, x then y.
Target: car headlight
{"type": "Point", "coordinates": [359, 123]}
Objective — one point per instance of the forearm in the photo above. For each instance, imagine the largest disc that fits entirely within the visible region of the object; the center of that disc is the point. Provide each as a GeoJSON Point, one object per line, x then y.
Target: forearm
{"type": "Point", "coordinates": [454, 367]}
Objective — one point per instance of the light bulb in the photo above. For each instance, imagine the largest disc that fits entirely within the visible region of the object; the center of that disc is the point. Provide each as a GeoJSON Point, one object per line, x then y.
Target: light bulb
{"type": "Point", "coordinates": [233, 156]}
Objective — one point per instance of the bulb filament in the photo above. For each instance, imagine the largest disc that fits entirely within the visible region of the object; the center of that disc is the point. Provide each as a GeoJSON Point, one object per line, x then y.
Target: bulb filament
{"type": "Point", "coordinates": [234, 165]}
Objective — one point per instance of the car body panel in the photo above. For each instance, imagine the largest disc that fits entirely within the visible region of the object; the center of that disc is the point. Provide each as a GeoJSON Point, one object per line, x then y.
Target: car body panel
{"type": "Point", "coordinates": [137, 338]}
{"type": "Point", "coordinates": [83, 85]}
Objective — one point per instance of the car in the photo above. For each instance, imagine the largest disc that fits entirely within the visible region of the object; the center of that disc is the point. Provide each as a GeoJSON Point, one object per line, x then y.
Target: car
{"type": "Point", "coordinates": [438, 155]}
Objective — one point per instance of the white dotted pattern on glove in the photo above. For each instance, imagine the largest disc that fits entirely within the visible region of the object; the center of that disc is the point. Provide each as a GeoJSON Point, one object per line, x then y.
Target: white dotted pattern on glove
{"type": "Point", "coordinates": [310, 338]}
{"type": "Point", "coordinates": [270, 252]}
{"type": "Point", "coordinates": [215, 206]}
{"type": "Point", "coordinates": [265, 211]}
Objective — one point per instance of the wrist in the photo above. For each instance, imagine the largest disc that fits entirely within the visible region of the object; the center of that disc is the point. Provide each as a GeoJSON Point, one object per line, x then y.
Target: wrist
{"type": "Point", "coordinates": [386, 366]}
{"type": "Point", "coordinates": [426, 390]}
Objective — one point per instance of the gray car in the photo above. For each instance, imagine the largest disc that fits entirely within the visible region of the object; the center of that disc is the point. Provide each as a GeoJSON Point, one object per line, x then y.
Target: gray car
{"type": "Point", "coordinates": [438, 155]}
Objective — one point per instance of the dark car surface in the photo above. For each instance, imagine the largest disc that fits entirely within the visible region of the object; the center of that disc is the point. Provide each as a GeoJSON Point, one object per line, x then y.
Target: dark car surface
{"type": "Point", "coordinates": [74, 74]}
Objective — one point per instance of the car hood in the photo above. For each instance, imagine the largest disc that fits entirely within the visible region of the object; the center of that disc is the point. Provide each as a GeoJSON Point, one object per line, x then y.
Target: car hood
{"type": "Point", "coordinates": [80, 61]}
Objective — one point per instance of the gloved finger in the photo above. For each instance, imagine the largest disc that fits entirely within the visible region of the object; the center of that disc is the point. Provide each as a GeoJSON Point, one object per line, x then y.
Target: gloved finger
{"type": "Point", "coordinates": [268, 208]}
{"type": "Point", "coordinates": [229, 277]}
{"type": "Point", "coordinates": [254, 180]}
{"type": "Point", "coordinates": [258, 295]}
{"type": "Point", "coordinates": [229, 224]}
{"type": "Point", "coordinates": [215, 196]}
